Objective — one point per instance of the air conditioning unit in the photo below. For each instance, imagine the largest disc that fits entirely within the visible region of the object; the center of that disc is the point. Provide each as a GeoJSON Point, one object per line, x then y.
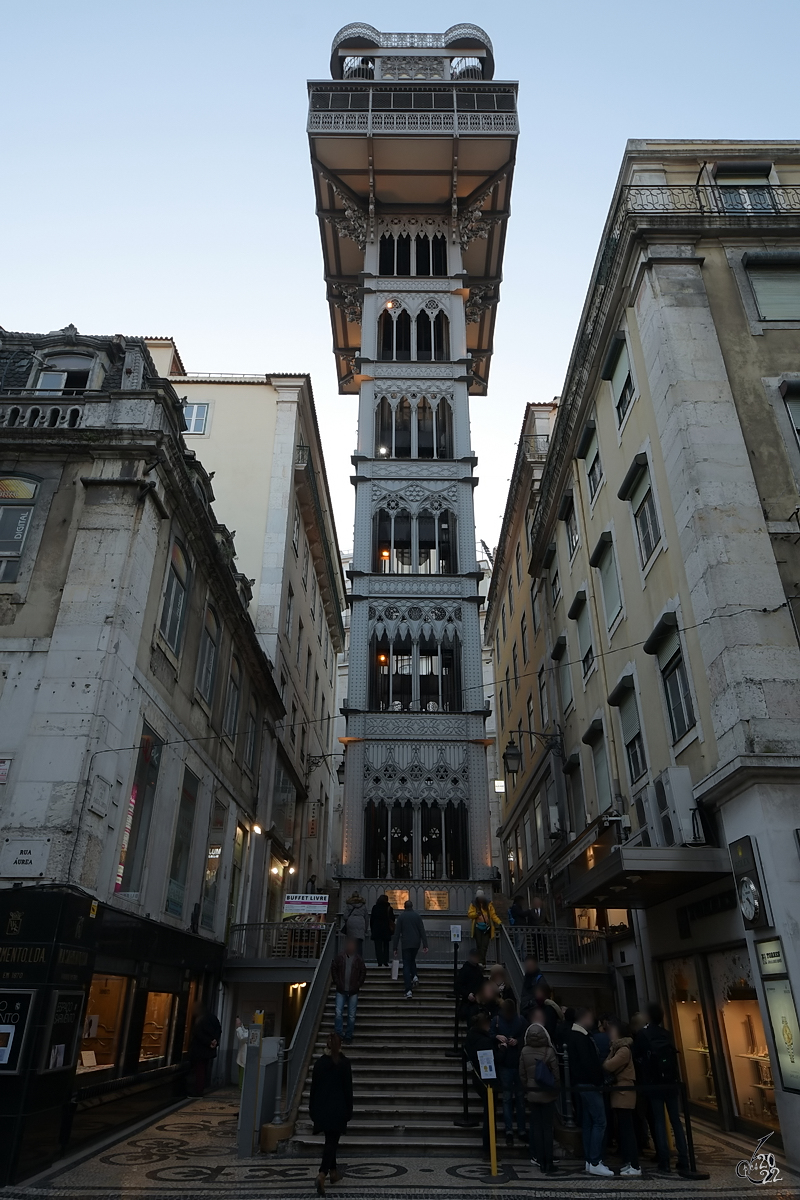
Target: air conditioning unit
{"type": "Point", "coordinates": [674, 818]}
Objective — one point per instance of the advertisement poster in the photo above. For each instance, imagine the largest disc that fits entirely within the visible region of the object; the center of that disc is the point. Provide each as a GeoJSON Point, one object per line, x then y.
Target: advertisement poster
{"type": "Point", "coordinates": [65, 1028]}
{"type": "Point", "coordinates": [15, 1011]}
{"type": "Point", "coordinates": [310, 902]}
{"type": "Point", "coordinates": [783, 1018]}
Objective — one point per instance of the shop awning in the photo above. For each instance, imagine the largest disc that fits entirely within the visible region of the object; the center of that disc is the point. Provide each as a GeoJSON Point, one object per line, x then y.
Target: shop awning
{"type": "Point", "coordinates": [640, 876]}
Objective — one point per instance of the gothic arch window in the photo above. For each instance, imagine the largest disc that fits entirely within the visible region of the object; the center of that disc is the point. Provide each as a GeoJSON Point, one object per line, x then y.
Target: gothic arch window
{"type": "Point", "coordinates": [376, 840]}
{"type": "Point", "coordinates": [401, 831]}
{"type": "Point", "coordinates": [431, 841]}
{"type": "Point", "coordinates": [400, 540]}
{"type": "Point", "coordinates": [415, 676]}
{"type": "Point", "coordinates": [413, 431]}
{"type": "Point", "coordinates": [456, 840]}
{"type": "Point", "coordinates": [441, 337]}
{"type": "Point", "coordinates": [424, 256]}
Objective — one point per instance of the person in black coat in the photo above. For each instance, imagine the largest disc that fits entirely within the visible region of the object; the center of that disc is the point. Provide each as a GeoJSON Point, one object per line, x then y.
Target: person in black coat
{"type": "Point", "coordinates": [330, 1105]}
{"type": "Point", "coordinates": [586, 1076]}
{"type": "Point", "coordinates": [469, 982]}
{"type": "Point", "coordinates": [206, 1034]}
{"type": "Point", "coordinates": [479, 1038]}
{"type": "Point", "coordinates": [381, 928]}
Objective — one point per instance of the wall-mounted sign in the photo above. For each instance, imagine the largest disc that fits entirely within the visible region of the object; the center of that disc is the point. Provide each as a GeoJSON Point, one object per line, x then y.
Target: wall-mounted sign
{"type": "Point", "coordinates": [302, 902]}
{"type": "Point", "coordinates": [397, 897]}
{"type": "Point", "coordinates": [24, 857]}
{"type": "Point", "coordinates": [783, 1018]}
{"type": "Point", "coordinates": [15, 1013]}
{"type": "Point", "coordinates": [437, 901]}
{"type": "Point", "coordinates": [770, 958]}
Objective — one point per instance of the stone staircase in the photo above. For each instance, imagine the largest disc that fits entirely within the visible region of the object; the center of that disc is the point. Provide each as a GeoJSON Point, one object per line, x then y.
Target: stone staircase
{"type": "Point", "coordinates": [406, 1092]}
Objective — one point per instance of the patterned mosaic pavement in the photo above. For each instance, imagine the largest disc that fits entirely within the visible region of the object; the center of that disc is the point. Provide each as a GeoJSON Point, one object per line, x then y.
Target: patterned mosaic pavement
{"type": "Point", "coordinates": [190, 1154]}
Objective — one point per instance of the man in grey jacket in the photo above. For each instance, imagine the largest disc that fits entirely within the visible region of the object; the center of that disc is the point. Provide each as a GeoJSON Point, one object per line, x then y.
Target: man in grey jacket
{"type": "Point", "coordinates": [409, 934]}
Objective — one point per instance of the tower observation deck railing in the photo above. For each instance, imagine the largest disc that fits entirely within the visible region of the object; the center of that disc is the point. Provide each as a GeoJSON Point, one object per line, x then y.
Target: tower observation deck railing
{"type": "Point", "coordinates": [673, 208]}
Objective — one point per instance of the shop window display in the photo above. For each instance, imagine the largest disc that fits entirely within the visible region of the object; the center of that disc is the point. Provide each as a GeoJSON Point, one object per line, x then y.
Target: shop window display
{"type": "Point", "coordinates": [103, 1023]}
{"type": "Point", "coordinates": [744, 1036]}
{"type": "Point", "coordinates": [689, 1029]}
{"type": "Point", "coordinates": [158, 1019]}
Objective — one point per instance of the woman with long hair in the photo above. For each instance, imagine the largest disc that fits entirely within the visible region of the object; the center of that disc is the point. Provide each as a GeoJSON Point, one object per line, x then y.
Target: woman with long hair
{"type": "Point", "coordinates": [330, 1105]}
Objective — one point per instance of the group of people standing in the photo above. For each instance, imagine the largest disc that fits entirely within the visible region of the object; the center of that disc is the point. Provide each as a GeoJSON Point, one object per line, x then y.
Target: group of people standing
{"type": "Point", "coordinates": [621, 1079]}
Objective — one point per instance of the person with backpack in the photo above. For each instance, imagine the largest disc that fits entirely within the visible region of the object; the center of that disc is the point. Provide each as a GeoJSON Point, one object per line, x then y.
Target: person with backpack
{"type": "Point", "coordinates": [539, 1074]}
{"type": "Point", "coordinates": [409, 935]}
{"type": "Point", "coordinates": [484, 921]}
{"type": "Point", "coordinates": [656, 1061]}
{"type": "Point", "coordinates": [355, 921]}
{"type": "Point", "coordinates": [586, 1077]}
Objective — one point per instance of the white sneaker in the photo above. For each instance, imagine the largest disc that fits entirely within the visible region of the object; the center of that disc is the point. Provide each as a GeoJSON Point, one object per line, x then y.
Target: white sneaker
{"type": "Point", "coordinates": [600, 1169]}
{"type": "Point", "coordinates": [535, 1162]}
{"type": "Point", "coordinates": [415, 980]}
{"type": "Point", "coordinates": [409, 995]}
{"type": "Point", "coordinates": [629, 1170]}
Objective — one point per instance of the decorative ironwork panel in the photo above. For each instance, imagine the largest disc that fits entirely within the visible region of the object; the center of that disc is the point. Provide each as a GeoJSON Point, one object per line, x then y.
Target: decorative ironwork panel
{"type": "Point", "coordinates": [404, 772]}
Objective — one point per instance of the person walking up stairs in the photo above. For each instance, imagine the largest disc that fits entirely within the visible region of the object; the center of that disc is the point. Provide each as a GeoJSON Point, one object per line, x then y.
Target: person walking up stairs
{"type": "Point", "coordinates": [409, 935]}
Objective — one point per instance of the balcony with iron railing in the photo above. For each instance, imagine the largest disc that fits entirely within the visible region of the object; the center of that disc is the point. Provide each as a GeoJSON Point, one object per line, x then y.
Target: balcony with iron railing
{"type": "Point", "coordinates": [535, 446]}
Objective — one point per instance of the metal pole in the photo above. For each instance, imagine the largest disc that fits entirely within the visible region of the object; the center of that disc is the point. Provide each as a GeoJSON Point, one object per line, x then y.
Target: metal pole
{"type": "Point", "coordinates": [568, 1115]}
{"type": "Point", "coordinates": [492, 1129]}
{"type": "Point", "coordinates": [465, 1119]}
{"type": "Point", "coordinates": [455, 1051]}
{"type": "Point", "coordinates": [688, 1123]}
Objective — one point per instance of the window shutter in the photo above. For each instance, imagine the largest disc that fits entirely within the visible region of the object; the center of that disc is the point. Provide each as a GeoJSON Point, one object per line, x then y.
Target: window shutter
{"type": "Point", "coordinates": [566, 681]}
{"type": "Point", "coordinates": [640, 491]}
{"type": "Point", "coordinates": [629, 717]}
{"type": "Point", "coordinates": [777, 291]}
{"type": "Point", "coordinates": [584, 630]}
{"type": "Point", "coordinates": [601, 775]}
{"type": "Point", "coordinates": [621, 372]}
{"type": "Point", "coordinates": [610, 582]}
{"type": "Point", "coordinates": [793, 407]}
{"type": "Point", "coordinates": [668, 648]}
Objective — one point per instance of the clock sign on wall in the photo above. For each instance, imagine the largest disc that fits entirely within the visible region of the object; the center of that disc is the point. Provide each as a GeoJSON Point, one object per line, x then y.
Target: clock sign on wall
{"type": "Point", "coordinates": [749, 886]}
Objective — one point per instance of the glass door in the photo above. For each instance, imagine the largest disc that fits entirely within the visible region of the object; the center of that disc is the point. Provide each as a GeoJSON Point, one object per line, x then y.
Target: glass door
{"type": "Point", "coordinates": [744, 1038]}
{"type": "Point", "coordinates": [688, 1023]}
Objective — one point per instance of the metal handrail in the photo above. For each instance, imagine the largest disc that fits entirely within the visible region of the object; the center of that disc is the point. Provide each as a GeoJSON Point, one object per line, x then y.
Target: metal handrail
{"type": "Point", "coordinates": [301, 1046]}
{"type": "Point", "coordinates": [277, 939]}
{"type": "Point", "coordinates": [561, 946]}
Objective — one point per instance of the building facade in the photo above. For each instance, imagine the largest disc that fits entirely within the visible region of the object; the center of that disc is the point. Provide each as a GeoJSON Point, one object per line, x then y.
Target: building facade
{"type": "Point", "coordinates": [665, 565]}
{"type": "Point", "coordinates": [271, 487]}
{"type": "Point", "coordinates": [412, 151]}
{"type": "Point", "coordinates": [138, 737]}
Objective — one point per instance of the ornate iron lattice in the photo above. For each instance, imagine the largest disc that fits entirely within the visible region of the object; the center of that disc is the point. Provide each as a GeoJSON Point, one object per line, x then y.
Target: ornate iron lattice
{"type": "Point", "coordinates": [416, 773]}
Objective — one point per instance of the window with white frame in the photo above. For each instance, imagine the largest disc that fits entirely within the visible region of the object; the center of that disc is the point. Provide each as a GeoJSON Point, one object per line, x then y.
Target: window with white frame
{"type": "Point", "coordinates": [637, 489]}
{"type": "Point", "coordinates": [175, 594]}
{"type": "Point", "coordinates": [617, 371]}
{"type": "Point", "coordinates": [632, 734]}
{"type": "Point", "coordinates": [594, 466]}
{"type": "Point", "coordinates": [569, 516]}
{"type": "Point", "coordinates": [604, 560]}
{"type": "Point", "coordinates": [555, 587]}
{"type": "Point", "coordinates": [196, 417]}
{"type": "Point", "coordinates": [676, 688]}
{"type": "Point", "coordinates": [579, 612]}
{"type": "Point", "coordinates": [207, 658]}
{"type": "Point", "coordinates": [234, 692]}
{"type": "Point", "coordinates": [65, 375]}
{"type": "Point", "coordinates": [544, 709]}
{"type": "Point", "coordinates": [744, 187]}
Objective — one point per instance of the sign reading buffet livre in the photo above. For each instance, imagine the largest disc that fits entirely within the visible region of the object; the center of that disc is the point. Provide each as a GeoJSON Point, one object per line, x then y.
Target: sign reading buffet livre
{"type": "Point", "coordinates": [304, 902]}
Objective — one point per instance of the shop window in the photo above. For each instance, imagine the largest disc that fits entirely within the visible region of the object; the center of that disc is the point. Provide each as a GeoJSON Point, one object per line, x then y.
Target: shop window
{"type": "Point", "coordinates": [207, 658]}
{"type": "Point", "coordinates": [744, 1038]}
{"type": "Point", "coordinates": [175, 594]}
{"type": "Point", "coordinates": [102, 1025]}
{"type": "Point", "coordinates": [139, 815]}
{"type": "Point", "coordinates": [213, 859]}
{"type": "Point", "coordinates": [158, 1020]}
{"type": "Point", "coordinates": [181, 847]}
{"type": "Point", "coordinates": [17, 497]}
{"type": "Point", "coordinates": [688, 1023]}
{"type": "Point", "coordinates": [401, 833]}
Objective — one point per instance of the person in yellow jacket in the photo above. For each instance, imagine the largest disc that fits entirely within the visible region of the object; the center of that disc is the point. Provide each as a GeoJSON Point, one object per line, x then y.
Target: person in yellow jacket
{"type": "Point", "coordinates": [484, 920]}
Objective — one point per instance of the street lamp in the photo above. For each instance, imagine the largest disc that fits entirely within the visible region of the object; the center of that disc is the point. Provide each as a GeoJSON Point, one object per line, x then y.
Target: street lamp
{"type": "Point", "coordinates": [316, 760]}
{"type": "Point", "coordinates": [552, 742]}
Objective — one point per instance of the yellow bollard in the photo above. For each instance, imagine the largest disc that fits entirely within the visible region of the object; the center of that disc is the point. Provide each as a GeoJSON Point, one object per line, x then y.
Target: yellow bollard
{"type": "Point", "coordinates": [492, 1131]}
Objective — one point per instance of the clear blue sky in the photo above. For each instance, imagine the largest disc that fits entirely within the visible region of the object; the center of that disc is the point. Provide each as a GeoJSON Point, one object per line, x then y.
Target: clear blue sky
{"type": "Point", "coordinates": [156, 176]}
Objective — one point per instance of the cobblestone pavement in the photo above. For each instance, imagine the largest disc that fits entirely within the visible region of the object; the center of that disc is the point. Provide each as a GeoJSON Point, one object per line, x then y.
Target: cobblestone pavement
{"type": "Point", "coordinates": [190, 1154]}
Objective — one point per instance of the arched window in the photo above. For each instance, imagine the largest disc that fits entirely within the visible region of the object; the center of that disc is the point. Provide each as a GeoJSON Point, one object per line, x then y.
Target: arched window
{"type": "Point", "coordinates": [439, 255]}
{"type": "Point", "coordinates": [450, 653]}
{"type": "Point", "coordinates": [391, 674]}
{"type": "Point", "coordinates": [65, 375]}
{"type": "Point", "coordinates": [423, 248]}
{"type": "Point", "coordinates": [403, 266]}
{"type": "Point", "coordinates": [384, 429]}
{"type": "Point", "coordinates": [441, 337]}
{"type": "Point", "coordinates": [402, 840]}
{"type": "Point", "coordinates": [425, 430]}
{"type": "Point", "coordinates": [207, 658]}
{"type": "Point", "coordinates": [431, 841]}
{"type": "Point", "coordinates": [386, 255]}
{"type": "Point", "coordinates": [436, 543]}
{"type": "Point", "coordinates": [175, 594]}
{"type": "Point", "coordinates": [402, 430]}
{"type": "Point", "coordinates": [402, 337]}
{"type": "Point", "coordinates": [456, 840]}
{"type": "Point", "coordinates": [394, 335]}
{"type": "Point", "coordinates": [232, 699]}
{"type": "Point", "coordinates": [385, 337]}
{"type": "Point", "coordinates": [424, 337]}
{"type": "Point", "coordinates": [391, 541]}
{"type": "Point", "coordinates": [376, 840]}
{"type": "Point", "coordinates": [444, 430]}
